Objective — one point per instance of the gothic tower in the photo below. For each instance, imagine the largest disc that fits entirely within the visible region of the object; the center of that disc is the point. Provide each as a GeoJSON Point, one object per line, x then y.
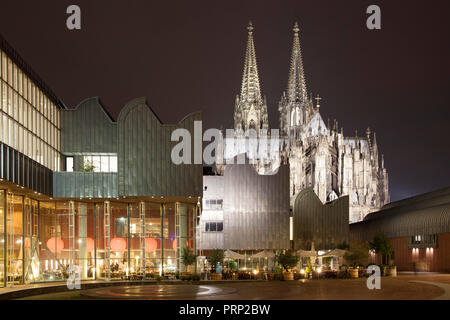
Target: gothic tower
{"type": "Point", "coordinates": [251, 109]}
{"type": "Point", "coordinates": [295, 108]}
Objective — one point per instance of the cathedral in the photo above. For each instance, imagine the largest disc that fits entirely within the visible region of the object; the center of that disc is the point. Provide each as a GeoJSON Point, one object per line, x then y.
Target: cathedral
{"type": "Point", "coordinates": [318, 153]}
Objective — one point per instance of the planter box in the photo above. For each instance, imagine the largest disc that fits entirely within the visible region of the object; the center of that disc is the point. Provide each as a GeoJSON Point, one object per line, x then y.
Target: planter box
{"type": "Point", "coordinates": [391, 271]}
{"type": "Point", "coordinates": [216, 276]}
{"type": "Point", "coordinates": [287, 276]}
{"type": "Point", "coordinates": [353, 273]}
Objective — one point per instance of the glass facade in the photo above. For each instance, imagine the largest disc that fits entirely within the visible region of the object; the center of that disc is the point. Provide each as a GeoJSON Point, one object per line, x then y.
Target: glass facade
{"type": "Point", "coordinates": [109, 240]}
{"type": "Point", "coordinates": [100, 163]}
{"type": "Point", "coordinates": [29, 119]}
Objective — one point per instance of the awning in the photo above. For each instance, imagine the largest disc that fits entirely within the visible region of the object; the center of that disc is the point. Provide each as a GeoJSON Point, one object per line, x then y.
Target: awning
{"type": "Point", "coordinates": [305, 253]}
{"type": "Point", "coordinates": [334, 253]}
{"type": "Point", "coordinates": [233, 255]}
{"type": "Point", "coordinates": [263, 254]}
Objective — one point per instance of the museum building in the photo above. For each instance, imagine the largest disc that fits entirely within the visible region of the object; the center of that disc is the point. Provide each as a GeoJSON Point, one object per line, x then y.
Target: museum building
{"type": "Point", "coordinates": [79, 188]}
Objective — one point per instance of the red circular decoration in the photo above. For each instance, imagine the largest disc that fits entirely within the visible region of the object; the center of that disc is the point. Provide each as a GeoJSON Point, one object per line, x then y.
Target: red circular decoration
{"type": "Point", "coordinates": [55, 244]}
{"type": "Point", "coordinates": [89, 244]}
{"type": "Point", "coordinates": [150, 244]}
{"type": "Point", "coordinates": [118, 244]}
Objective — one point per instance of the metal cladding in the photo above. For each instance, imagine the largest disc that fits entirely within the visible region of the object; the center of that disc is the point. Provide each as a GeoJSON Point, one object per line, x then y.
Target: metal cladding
{"type": "Point", "coordinates": [88, 129]}
{"type": "Point", "coordinates": [256, 208]}
{"type": "Point", "coordinates": [426, 214]}
{"type": "Point", "coordinates": [85, 185]}
{"type": "Point", "coordinates": [24, 171]}
{"type": "Point", "coordinates": [325, 224]}
{"type": "Point", "coordinates": [144, 155]}
{"type": "Point", "coordinates": [143, 147]}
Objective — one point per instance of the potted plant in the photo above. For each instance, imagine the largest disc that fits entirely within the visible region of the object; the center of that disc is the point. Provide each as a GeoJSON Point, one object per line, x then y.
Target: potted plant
{"type": "Point", "coordinates": [214, 258]}
{"type": "Point", "coordinates": [381, 245]}
{"type": "Point", "coordinates": [287, 261]}
{"type": "Point", "coordinates": [231, 268]}
{"type": "Point", "coordinates": [188, 258]}
{"type": "Point", "coordinates": [357, 254]}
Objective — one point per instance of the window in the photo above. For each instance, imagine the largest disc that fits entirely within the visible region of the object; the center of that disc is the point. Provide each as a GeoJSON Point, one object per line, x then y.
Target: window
{"type": "Point", "coordinates": [422, 241]}
{"type": "Point", "coordinates": [102, 163]}
{"type": "Point", "coordinates": [213, 204]}
{"type": "Point", "coordinates": [213, 226]}
{"type": "Point", "coordinates": [24, 116]}
{"type": "Point", "coordinates": [69, 164]}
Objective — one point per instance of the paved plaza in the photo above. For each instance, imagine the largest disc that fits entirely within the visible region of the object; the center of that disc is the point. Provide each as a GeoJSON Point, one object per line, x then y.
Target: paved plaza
{"type": "Point", "coordinates": [403, 287]}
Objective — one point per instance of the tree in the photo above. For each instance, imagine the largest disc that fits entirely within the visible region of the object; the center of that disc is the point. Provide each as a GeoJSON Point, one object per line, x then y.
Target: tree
{"type": "Point", "coordinates": [357, 254]}
{"type": "Point", "coordinates": [188, 257]}
{"type": "Point", "coordinates": [342, 246]}
{"type": "Point", "coordinates": [287, 260]}
{"type": "Point", "coordinates": [88, 166]}
{"type": "Point", "coordinates": [216, 256]}
{"type": "Point", "coordinates": [231, 265]}
{"type": "Point", "coordinates": [381, 245]}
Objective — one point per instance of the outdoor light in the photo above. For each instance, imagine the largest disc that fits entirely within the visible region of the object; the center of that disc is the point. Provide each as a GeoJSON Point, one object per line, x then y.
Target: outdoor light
{"type": "Point", "coordinates": [302, 271]}
{"type": "Point", "coordinates": [255, 272]}
{"type": "Point", "coordinates": [319, 270]}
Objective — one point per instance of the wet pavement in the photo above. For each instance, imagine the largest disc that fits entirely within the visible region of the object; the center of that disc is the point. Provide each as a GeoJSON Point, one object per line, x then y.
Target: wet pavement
{"type": "Point", "coordinates": [403, 287]}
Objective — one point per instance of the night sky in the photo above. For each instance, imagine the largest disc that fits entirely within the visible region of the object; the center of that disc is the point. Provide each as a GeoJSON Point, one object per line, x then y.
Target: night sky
{"type": "Point", "coordinates": [187, 56]}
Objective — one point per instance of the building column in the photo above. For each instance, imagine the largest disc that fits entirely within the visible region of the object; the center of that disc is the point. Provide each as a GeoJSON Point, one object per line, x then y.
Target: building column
{"type": "Point", "coordinates": [107, 236]}
{"type": "Point", "coordinates": [82, 238]}
{"type": "Point", "coordinates": [162, 239]}
{"type": "Point", "coordinates": [181, 234]}
{"type": "Point", "coordinates": [142, 235]}
{"type": "Point", "coordinates": [72, 233]}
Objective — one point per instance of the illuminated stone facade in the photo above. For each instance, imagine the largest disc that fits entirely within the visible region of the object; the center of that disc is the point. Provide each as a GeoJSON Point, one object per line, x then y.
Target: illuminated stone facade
{"type": "Point", "coordinates": [319, 155]}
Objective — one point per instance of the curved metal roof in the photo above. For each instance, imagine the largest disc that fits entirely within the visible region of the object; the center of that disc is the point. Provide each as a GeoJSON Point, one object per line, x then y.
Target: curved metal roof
{"type": "Point", "coordinates": [425, 214]}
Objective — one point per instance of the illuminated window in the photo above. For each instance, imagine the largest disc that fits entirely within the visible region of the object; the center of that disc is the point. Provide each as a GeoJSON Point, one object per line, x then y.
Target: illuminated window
{"type": "Point", "coordinates": [101, 163]}
{"type": "Point", "coordinates": [69, 164]}
{"type": "Point", "coordinates": [25, 116]}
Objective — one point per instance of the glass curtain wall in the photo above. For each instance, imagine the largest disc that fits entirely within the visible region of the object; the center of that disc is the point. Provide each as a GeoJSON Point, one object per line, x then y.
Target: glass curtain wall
{"type": "Point", "coordinates": [29, 119]}
{"type": "Point", "coordinates": [2, 237]}
{"type": "Point", "coordinates": [108, 240]}
{"type": "Point", "coordinates": [153, 244]}
{"type": "Point", "coordinates": [15, 239]}
{"type": "Point", "coordinates": [170, 257]}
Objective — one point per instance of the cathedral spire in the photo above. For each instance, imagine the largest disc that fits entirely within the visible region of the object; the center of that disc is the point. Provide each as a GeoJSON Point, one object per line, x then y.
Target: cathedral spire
{"type": "Point", "coordinates": [296, 90]}
{"type": "Point", "coordinates": [250, 90]}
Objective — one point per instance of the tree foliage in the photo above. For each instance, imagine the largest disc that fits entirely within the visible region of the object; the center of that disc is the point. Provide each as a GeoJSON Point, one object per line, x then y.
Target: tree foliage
{"type": "Point", "coordinates": [215, 257]}
{"type": "Point", "coordinates": [357, 254]}
{"type": "Point", "coordinates": [88, 166]}
{"type": "Point", "coordinates": [188, 257]}
{"type": "Point", "coordinates": [381, 245]}
{"type": "Point", "coordinates": [287, 260]}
